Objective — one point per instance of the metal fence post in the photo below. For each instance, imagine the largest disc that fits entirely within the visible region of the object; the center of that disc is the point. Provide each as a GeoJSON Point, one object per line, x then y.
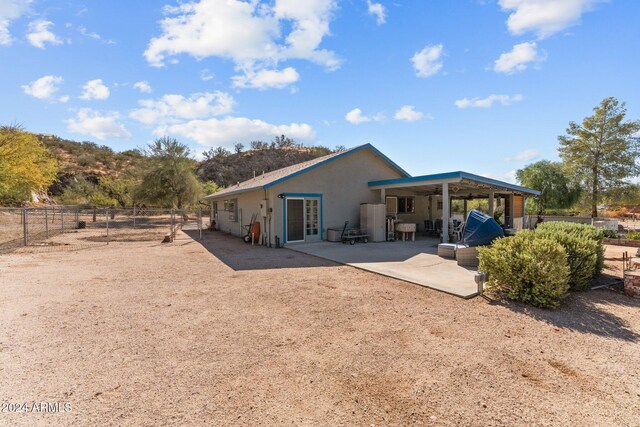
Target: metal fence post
{"type": "Point", "coordinates": [134, 216]}
{"type": "Point", "coordinates": [106, 214]}
{"type": "Point", "coordinates": [46, 222]}
{"type": "Point", "coordinates": [25, 226]}
{"type": "Point", "coordinates": [200, 222]}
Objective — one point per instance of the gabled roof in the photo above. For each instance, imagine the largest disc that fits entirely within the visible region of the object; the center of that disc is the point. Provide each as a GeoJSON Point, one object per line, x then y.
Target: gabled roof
{"type": "Point", "coordinates": [457, 176]}
{"type": "Point", "coordinates": [270, 179]}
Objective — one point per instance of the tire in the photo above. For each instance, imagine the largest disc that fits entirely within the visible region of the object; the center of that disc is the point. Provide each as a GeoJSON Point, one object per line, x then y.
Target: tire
{"type": "Point", "coordinates": [365, 240]}
{"type": "Point", "coordinates": [247, 238]}
{"type": "Point", "coordinates": [352, 241]}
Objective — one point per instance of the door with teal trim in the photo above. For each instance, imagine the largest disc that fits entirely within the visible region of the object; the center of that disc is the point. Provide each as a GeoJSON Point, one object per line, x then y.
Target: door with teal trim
{"type": "Point", "coordinates": [312, 232]}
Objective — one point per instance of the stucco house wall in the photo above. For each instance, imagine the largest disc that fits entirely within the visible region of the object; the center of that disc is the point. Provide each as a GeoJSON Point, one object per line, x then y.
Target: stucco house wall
{"type": "Point", "coordinates": [343, 184]}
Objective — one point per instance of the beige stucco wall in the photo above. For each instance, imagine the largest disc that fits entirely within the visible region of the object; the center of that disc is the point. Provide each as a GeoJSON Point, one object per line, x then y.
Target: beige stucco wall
{"type": "Point", "coordinates": [344, 185]}
{"type": "Point", "coordinates": [248, 204]}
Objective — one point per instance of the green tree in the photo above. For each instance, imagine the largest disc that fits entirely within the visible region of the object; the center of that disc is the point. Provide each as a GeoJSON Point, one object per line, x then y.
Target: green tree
{"type": "Point", "coordinates": [558, 190]}
{"type": "Point", "coordinates": [602, 151]}
{"type": "Point", "coordinates": [25, 165]}
{"type": "Point", "coordinates": [169, 179]}
{"type": "Point", "coordinates": [119, 189]}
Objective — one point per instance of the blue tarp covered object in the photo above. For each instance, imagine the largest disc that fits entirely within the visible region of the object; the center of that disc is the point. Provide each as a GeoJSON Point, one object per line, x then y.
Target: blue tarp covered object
{"type": "Point", "coordinates": [480, 229]}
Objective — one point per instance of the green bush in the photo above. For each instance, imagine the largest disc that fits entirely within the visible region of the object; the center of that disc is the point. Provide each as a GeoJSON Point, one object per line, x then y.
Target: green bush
{"type": "Point", "coordinates": [633, 235]}
{"type": "Point", "coordinates": [581, 231]}
{"type": "Point", "coordinates": [582, 256]}
{"type": "Point", "coordinates": [526, 268]}
{"type": "Point", "coordinates": [610, 234]}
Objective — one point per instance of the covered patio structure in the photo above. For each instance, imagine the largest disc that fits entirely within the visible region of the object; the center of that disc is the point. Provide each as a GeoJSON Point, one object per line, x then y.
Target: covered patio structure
{"type": "Point", "coordinates": [421, 199]}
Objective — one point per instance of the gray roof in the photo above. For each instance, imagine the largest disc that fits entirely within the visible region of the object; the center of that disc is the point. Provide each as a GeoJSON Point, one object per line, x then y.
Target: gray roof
{"type": "Point", "coordinates": [270, 179]}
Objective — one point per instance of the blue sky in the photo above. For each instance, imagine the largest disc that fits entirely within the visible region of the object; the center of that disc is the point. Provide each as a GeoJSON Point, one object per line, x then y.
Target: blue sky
{"type": "Point", "coordinates": [481, 86]}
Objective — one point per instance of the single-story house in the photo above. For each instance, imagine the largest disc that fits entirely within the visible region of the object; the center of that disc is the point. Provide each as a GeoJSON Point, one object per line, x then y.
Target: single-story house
{"type": "Point", "coordinates": [300, 203]}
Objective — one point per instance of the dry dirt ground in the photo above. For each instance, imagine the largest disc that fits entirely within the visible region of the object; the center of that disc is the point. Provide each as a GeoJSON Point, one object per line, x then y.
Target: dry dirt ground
{"type": "Point", "coordinates": [220, 333]}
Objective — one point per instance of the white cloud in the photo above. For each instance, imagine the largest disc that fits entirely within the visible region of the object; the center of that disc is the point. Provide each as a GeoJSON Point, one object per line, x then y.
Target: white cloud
{"type": "Point", "coordinates": [64, 99]}
{"type": "Point", "coordinates": [175, 108]}
{"type": "Point", "coordinates": [518, 58]}
{"type": "Point", "coordinates": [525, 156]}
{"type": "Point", "coordinates": [488, 101]}
{"type": "Point", "coordinates": [100, 126]}
{"type": "Point", "coordinates": [377, 10]}
{"type": "Point", "coordinates": [143, 86]}
{"type": "Point", "coordinates": [94, 89]}
{"type": "Point", "coordinates": [356, 117]}
{"type": "Point", "coordinates": [544, 17]}
{"type": "Point", "coordinates": [206, 75]}
{"type": "Point", "coordinates": [264, 79]}
{"type": "Point", "coordinates": [428, 61]}
{"type": "Point", "coordinates": [44, 87]}
{"type": "Point", "coordinates": [39, 34]}
{"type": "Point", "coordinates": [407, 113]}
{"type": "Point", "coordinates": [10, 10]}
{"type": "Point", "coordinates": [229, 130]}
{"type": "Point", "coordinates": [93, 35]}
{"type": "Point", "coordinates": [252, 34]}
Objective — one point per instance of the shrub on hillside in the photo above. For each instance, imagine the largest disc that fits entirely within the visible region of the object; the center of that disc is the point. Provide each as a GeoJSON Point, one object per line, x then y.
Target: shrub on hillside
{"type": "Point", "coordinates": [582, 232]}
{"type": "Point", "coordinates": [526, 268]}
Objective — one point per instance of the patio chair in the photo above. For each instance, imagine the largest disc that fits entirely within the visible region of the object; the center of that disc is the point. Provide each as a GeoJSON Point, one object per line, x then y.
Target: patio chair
{"type": "Point", "coordinates": [458, 231]}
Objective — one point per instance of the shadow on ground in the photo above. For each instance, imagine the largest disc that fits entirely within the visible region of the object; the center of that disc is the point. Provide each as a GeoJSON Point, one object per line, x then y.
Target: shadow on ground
{"type": "Point", "coordinates": [585, 312]}
{"type": "Point", "coordinates": [242, 256]}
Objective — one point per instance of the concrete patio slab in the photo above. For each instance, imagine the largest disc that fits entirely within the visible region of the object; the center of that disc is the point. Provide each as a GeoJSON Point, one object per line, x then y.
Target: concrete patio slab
{"type": "Point", "coordinates": [416, 262]}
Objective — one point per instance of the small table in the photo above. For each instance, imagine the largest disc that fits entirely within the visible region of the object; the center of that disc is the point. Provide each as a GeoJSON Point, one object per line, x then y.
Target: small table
{"type": "Point", "coordinates": [406, 227]}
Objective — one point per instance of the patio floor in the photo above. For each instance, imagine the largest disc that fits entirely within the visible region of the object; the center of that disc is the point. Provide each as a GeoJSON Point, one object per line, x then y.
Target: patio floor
{"type": "Point", "coordinates": [416, 262]}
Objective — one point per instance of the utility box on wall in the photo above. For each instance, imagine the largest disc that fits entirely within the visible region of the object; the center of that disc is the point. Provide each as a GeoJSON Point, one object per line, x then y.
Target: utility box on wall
{"type": "Point", "coordinates": [264, 208]}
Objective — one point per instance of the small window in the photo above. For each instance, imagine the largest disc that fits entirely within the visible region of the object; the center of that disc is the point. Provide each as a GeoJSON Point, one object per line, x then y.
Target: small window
{"type": "Point", "coordinates": [231, 206]}
{"type": "Point", "coordinates": [406, 205]}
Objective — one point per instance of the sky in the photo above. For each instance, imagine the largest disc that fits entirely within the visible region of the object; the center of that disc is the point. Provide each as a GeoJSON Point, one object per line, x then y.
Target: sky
{"type": "Point", "coordinates": [484, 86]}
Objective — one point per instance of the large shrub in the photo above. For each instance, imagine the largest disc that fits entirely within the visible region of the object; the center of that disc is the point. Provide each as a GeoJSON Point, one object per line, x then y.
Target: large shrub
{"type": "Point", "coordinates": [582, 256]}
{"type": "Point", "coordinates": [526, 268]}
{"type": "Point", "coordinates": [558, 230]}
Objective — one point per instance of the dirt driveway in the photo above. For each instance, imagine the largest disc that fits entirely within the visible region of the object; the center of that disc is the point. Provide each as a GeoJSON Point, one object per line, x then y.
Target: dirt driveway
{"type": "Point", "coordinates": [145, 334]}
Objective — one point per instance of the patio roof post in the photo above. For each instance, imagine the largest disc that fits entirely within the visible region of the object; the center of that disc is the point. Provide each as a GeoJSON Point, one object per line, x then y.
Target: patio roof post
{"type": "Point", "coordinates": [490, 203]}
{"type": "Point", "coordinates": [383, 199]}
{"type": "Point", "coordinates": [445, 212]}
{"type": "Point", "coordinates": [465, 210]}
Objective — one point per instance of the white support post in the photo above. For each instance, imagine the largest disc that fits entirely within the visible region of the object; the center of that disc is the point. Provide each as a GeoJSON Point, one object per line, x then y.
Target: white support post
{"type": "Point", "coordinates": [383, 196]}
{"type": "Point", "coordinates": [445, 213]}
{"type": "Point", "coordinates": [491, 203]}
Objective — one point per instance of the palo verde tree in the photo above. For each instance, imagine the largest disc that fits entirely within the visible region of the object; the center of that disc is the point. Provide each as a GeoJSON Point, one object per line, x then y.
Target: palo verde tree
{"type": "Point", "coordinates": [25, 165]}
{"type": "Point", "coordinates": [602, 152]}
{"type": "Point", "coordinates": [558, 190]}
{"type": "Point", "coordinates": [169, 179]}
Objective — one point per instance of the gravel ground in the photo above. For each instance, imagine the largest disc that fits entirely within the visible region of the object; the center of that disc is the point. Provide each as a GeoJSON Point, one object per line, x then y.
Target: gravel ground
{"type": "Point", "coordinates": [220, 333]}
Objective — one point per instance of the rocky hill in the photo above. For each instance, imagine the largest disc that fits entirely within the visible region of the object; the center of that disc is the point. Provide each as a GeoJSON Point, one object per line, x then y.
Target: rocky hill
{"type": "Point", "coordinates": [227, 169]}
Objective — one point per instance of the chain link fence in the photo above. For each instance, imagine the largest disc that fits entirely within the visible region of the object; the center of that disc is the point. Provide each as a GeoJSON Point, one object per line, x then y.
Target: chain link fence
{"type": "Point", "coordinates": [73, 227]}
